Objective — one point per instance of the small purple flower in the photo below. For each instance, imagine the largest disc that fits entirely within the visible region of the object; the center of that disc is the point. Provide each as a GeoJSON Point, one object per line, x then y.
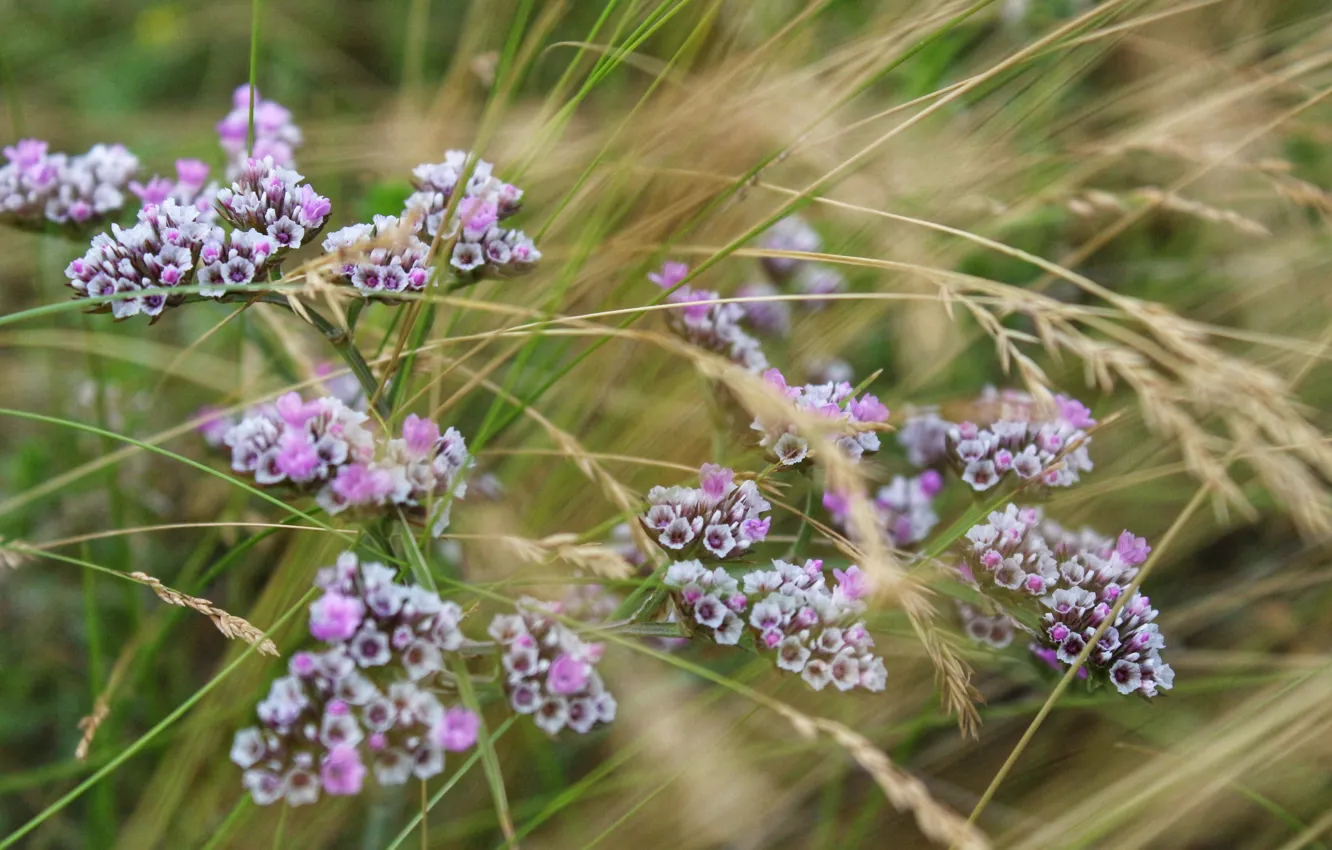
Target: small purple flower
{"type": "Point", "coordinates": [456, 730]}
{"type": "Point", "coordinates": [567, 675]}
{"type": "Point", "coordinates": [335, 617]}
{"type": "Point", "coordinates": [342, 771]}
{"type": "Point", "coordinates": [670, 275]}
{"type": "Point", "coordinates": [421, 435]}
{"type": "Point", "coordinates": [853, 582]}
{"type": "Point", "coordinates": [1132, 550]}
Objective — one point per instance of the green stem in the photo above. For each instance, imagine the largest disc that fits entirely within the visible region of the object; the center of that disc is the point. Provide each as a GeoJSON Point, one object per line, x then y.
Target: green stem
{"type": "Point", "coordinates": [254, 70]}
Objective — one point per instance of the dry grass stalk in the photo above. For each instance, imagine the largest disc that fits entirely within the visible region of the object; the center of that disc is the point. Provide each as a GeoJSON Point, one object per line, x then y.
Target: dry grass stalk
{"type": "Point", "coordinates": [907, 793]}
{"type": "Point", "coordinates": [228, 624]}
{"type": "Point", "coordinates": [592, 557]}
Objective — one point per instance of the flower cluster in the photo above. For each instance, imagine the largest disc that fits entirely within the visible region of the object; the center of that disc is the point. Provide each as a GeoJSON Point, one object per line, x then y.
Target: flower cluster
{"type": "Point", "coordinates": [994, 630]}
{"type": "Point", "coordinates": [384, 258]}
{"type": "Point", "coordinates": [37, 187]}
{"type": "Point", "coordinates": [790, 274]}
{"type": "Point", "coordinates": [324, 446]}
{"type": "Point", "coordinates": [904, 510]}
{"type": "Point", "coordinates": [160, 252]}
{"type": "Point", "coordinates": [792, 233]}
{"type": "Point", "coordinates": [771, 317]}
{"type": "Point", "coordinates": [719, 516]}
{"type": "Point", "coordinates": [924, 436]}
{"type": "Point", "coordinates": [550, 673]}
{"type": "Point", "coordinates": [190, 189]}
{"type": "Point", "coordinates": [1008, 438]}
{"type": "Point", "coordinates": [275, 136]}
{"type": "Point", "coordinates": [790, 611]}
{"type": "Point", "coordinates": [835, 401]}
{"type": "Point", "coordinates": [369, 695]}
{"type": "Point", "coordinates": [710, 325]}
{"type": "Point", "coordinates": [272, 200]}
{"type": "Point", "coordinates": [483, 249]}
{"type": "Point", "coordinates": [1077, 578]}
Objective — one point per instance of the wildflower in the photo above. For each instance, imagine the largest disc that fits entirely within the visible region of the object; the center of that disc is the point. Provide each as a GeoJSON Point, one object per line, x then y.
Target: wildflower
{"type": "Point", "coordinates": [456, 730]}
{"type": "Point", "coordinates": [272, 200]}
{"type": "Point", "coordinates": [924, 435]}
{"type": "Point", "coordinates": [323, 446]}
{"type": "Point", "coordinates": [351, 703]}
{"type": "Point", "coordinates": [709, 325]}
{"type": "Point", "coordinates": [1013, 444]}
{"type": "Point", "coordinates": [788, 234]}
{"type": "Point", "coordinates": [550, 672]}
{"type": "Point", "coordinates": [719, 519]}
{"type": "Point", "coordinates": [38, 188]}
{"type": "Point", "coordinates": [858, 415]}
{"type": "Point", "coordinates": [903, 510]}
{"type": "Point", "coordinates": [789, 610]}
{"type": "Point", "coordinates": [384, 258]}
{"type": "Point", "coordinates": [483, 249]}
{"type": "Point", "coordinates": [191, 188]}
{"type": "Point", "coordinates": [275, 136]}
{"type": "Point", "coordinates": [995, 631]}
{"type": "Point", "coordinates": [1077, 578]}
{"type": "Point", "coordinates": [772, 317]}
{"type": "Point", "coordinates": [817, 279]}
{"type": "Point", "coordinates": [160, 252]}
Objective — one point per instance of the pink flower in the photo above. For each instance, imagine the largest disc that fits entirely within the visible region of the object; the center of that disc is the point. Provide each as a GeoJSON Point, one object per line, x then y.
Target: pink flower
{"type": "Point", "coordinates": [314, 207]}
{"type": "Point", "coordinates": [478, 214]}
{"type": "Point", "coordinates": [868, 408]}
{"type": "Point", "coordinates": [27, 153]}
{"type": "Point", "coordinates": [294, 411]}
{"type": "Point", "coordinates": [836, 503]}
{"type": "Point", "coordinates": [670, 275]}
{"type": "Point", "coordinates": [192, 173]}
{"type": "Point", "coordinates": [567, 675]}
{"type": "Point", "coordinates": [359, 484]}
{"type": "Point", "coordinates": [853, 582]}
{"type": "Point", "coordinates": [1074, 412]}
{"type": "Point", "coordinates": [1132, 550]}
{"type": "Point", "coordinates": [335, 617]}
{"type": "Point", "coordinates": [296, 458]}
{"type": "Point", "coordinates": [715, 479]}
{"type": "Point", "coordinates": [342, 771]}
{"type": "Point", "coordinates": [420, 434]}
{"type": "Point", "coordinates": [931, 482]}
{"type": "Point", "coordinates": [156, 191]}
{"type": "Point", "coordinates": [456, 730]}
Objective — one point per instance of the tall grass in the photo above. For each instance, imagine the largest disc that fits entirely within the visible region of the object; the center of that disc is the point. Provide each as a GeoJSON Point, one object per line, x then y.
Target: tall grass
{"type": "Point", "coordinates": [1121, 201]}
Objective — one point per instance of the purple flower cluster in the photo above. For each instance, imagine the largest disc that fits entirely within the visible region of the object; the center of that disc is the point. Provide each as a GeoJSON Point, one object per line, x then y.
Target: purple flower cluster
{"type": "Point", "coordinates": [792, 233]}
{"type": "Point", "coordinates": [190, 189]}
{"type": "Point", "coordinates": [788, 610]}
{"type": "Point", "coordinates": [323, 446]}
{"type": "Point", "coordinates": [904, 510]}
{"type": "Point", "coordinates": [703, 322]}
{"type": "Point", "coordinates": [369, 695]}
{"type": "Point", "coordinates": [1010, 440]}
{"type": "Point", "coordinates": [992, 630]}
{"type": "Point", "coordinates": [483, 249]}
{"type": "Point", "coordinates": [719, 516]}
{"type": "Point", "coordinates": [1077, 577]}
{"type": "Point", "coordinates": [1017, 444]}
{"type": "Point", "coordinates": [160, 252]}
{"type": "Point", "coordinates": [37, 187]}
{"type": "Point", "coordinates": [790, 274]}
{"type": "Point", "coordinates": [383, 258]}
{"type": "Point", "coordinates": [272, 200]}
{"type": "Point", "coordinates": [549, 672]}
{"type": "Point", "coordinates": [860, 414]}
{"type": "Point", "coordinates": [275, 136]}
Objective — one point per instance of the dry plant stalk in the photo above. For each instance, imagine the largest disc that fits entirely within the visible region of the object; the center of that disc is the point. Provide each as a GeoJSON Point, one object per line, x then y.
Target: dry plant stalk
{"type": "Point", "coordinates": [228, 624]}
{"type": "Point", "coordinates": [907, 793]}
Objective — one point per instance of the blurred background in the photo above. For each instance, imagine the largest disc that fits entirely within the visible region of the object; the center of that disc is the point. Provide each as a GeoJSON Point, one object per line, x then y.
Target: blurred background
{"type": "Point", "coordinates": [1174, 155]}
